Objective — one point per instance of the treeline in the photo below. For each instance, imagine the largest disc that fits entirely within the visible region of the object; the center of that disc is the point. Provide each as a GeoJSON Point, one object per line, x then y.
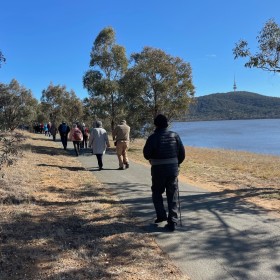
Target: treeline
{"type": "Point", "coordinates": [135, 88]}
{"type": "Point", "coordinates": [233, 106]}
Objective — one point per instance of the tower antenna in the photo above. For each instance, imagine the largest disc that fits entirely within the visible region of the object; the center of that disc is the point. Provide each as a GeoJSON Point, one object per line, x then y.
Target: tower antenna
{"type": "Point", "coordinates": [234, 85]}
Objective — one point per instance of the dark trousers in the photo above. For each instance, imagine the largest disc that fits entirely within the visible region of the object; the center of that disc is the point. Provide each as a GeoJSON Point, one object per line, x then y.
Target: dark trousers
{"type": "Point", "coordinates": [76, 145]}
{"type": "Point", "coordinates": [84, 142]}
{"type": "Point", "coordinates": [165, 179]}
{"type": "Point", "coordinates": [64, 141]}
{"type": "Point", "coordinates": [99, 160]}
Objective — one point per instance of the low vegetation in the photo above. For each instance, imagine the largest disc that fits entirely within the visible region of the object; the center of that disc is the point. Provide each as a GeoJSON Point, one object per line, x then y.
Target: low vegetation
{"type": "Point", "coordinates": [9, 148]}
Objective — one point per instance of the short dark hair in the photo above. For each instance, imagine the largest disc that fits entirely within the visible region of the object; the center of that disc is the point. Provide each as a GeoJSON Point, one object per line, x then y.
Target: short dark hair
{"type": "Point", "coordinates": [161, 121]}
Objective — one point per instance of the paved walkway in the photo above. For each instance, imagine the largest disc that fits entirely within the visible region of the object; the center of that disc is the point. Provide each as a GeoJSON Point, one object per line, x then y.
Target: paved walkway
{"type": "Point", "coordinates": [221, 237]}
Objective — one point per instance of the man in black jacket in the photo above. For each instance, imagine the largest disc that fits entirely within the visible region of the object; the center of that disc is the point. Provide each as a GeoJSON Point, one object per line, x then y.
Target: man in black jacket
{"type": "Point", "coordinates": [63, 130]}
{"type": "Point", "coordinates": [165, 151]}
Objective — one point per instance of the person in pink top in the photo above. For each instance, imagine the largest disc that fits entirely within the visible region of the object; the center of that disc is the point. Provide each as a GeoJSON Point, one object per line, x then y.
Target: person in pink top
{"type": "Point", "coordinates": [76, 136]}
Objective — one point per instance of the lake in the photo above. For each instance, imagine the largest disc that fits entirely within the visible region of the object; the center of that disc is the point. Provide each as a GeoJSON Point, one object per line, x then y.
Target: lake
{"type": "Point", "coordinates": [257, 136]}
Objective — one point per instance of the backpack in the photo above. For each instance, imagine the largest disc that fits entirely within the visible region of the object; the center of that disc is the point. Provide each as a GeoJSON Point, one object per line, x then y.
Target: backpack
{"type": "Point", "coordinates": [86, 132]}
{"type": "Point", "coordinates": [77, 135]}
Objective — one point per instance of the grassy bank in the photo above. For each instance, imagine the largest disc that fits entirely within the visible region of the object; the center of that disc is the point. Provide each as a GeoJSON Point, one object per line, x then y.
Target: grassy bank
{"type": "Point", "coordinates": [58, 222]}
{"type": "Point", "coordinates": [254, 177]}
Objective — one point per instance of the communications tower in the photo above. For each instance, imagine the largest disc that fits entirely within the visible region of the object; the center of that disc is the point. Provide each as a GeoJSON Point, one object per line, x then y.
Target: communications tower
{"type": "Point", "coordinates": [234, 85]}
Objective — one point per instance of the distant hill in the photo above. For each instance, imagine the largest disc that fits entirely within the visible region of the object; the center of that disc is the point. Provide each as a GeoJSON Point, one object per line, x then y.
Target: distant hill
{"type": "Point", "coordinates": [234, 106]}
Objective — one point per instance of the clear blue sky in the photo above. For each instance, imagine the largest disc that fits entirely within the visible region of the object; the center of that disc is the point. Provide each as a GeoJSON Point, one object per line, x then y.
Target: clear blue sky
{"type": "Point", "coordinates": [50, 40]}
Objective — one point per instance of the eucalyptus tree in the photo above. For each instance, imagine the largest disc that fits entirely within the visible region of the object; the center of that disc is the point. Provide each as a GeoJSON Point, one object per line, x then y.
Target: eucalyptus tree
{"type": "Point", "coordinates": [17, 105]}
{"type": "Point", "coordinates": [72, 109]}
{"type": "Point", "coordinates": [157, 83]}
{"type": "Point", "coordinates": [2, 58]}
{"type": "Point", "coordinates": [108, 64]}
{"type": "Point", "coordinates": [268, 56]}
{"type": "Point", "coordinates": [60, 105]}
{"type": "Point", "coordinates": [93, 111]}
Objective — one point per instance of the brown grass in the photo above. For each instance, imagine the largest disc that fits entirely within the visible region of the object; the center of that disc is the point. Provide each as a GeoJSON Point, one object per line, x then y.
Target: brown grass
{"type": "Point", "coordinates": [59, 222]}
{"type": "Point", "coordinates": [254, 177]}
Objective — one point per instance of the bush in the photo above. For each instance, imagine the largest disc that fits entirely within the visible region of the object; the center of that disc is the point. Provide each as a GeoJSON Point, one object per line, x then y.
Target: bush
{"type": "Point", "coordinates": [10, 149]}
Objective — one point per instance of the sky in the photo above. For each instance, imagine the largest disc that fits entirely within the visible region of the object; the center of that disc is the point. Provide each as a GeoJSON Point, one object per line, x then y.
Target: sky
{"type": "Point", "coordinates": [49, 41]}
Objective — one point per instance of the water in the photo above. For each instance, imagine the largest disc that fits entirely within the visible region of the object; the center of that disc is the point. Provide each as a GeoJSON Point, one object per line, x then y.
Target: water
{"type": "Point", "coordinates": [257, 136]}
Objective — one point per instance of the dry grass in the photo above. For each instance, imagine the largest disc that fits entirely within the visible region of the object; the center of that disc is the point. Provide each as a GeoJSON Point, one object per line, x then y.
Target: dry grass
{"type": "Point", "coordinates": [254, 177]}
{"type": "Point", "coordinates": [58, 222]}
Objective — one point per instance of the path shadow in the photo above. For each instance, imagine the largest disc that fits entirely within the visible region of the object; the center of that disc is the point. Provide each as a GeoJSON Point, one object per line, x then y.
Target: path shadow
{"type": "Point", "coordinates": [218, 225]}
{"type": "Point", "coordinates": [47, 150]}
{"type": "Point", "coordinates": [71, 168]}
{"type": "Point", "coordinates": [48, 139]}
{"type": "Point", "coordinates": [44, 238]}
{"type": "Point", "coordinates": [96, 169]}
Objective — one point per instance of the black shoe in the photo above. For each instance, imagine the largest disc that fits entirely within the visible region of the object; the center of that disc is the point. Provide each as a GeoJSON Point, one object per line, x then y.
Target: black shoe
{"type": "Point", "coordinates": [100, 168]}
{"type": "Point", "coordinates": [121, 168]}
{"type": "Point", "coordinates": [159, 220]}
{"type": "Point", "coordinates": [126, 165]}
{"type": "Point", "coordinates": [170, 226]}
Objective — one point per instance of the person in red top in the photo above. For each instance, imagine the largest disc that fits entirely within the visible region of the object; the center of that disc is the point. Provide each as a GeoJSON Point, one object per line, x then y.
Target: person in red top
{"type": "Point", "coordinates": [85, 132]}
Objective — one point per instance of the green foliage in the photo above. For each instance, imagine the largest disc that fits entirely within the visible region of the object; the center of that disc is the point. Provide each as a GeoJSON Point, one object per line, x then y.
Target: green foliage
{"type": "Point", "coordinates": [58, 105]}
{"type": "Point", "coordinates": [10, 147]}
{"type": "Point", "coordinates": [2, 58]}
{"type": "Point", "coordinates": [233, 106]}
{"type": "Point", "coordinates": [109, 63]}
{"type": "Point", "coordinates": [109, 57]}
{"type": "Point", "coordinates": [268, 57]}
{"type": "Point", "coordinates": [94, 110]}
{"type": "Point", "coordinates": [17, 106]}
{"type": "Point", "coordinates": [156, 83]}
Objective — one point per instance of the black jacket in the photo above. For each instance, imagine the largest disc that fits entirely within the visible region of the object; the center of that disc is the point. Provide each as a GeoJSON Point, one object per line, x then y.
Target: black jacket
{"type": "Point", "coordinates": [164, 147]}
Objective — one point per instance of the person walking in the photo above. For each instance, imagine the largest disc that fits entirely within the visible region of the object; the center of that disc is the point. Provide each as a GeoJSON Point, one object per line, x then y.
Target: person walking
{"type": "Point", "coordinates": [46, 129]}
{"type": "Point", "coordinates": [99, 141]}
{"type": "Point", "coordinates": [63, 130]}
{"type": "Point", "coordinates": [49, 129]}
{"type": "Point", "coordinates": [76, 136]}
{"type": "Point", "coordinates": [80, 126]}
{"type": "Point", "coordinates": [121, 137]}
{"type": "Point", "coordinates": [165, 152]}
{"type": "Point", "coordinates": [53, 131]}
{"type": "Point", "coordinates": [85, 132]}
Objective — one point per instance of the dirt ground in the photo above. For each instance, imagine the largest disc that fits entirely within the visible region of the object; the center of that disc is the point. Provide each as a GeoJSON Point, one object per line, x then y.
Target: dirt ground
{"type": "Point", "coordinates": [58, 222]}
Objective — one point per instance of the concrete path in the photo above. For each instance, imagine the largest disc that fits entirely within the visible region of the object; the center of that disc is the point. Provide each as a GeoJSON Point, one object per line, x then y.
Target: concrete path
{"type": "Point", "coordinates": [221, 237]}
